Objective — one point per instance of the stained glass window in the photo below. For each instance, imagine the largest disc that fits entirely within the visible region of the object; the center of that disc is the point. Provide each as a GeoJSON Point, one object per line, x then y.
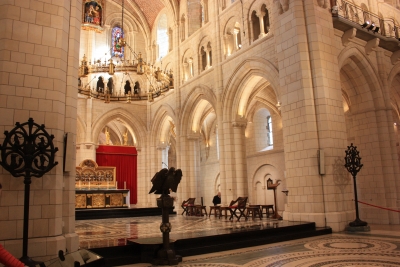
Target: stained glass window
{"type": "Point", "coordinates": [116, 35]}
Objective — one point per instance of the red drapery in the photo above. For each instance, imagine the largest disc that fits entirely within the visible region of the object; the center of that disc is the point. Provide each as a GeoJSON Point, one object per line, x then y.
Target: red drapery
{"type": "Point", "coordinates": [124, 158]}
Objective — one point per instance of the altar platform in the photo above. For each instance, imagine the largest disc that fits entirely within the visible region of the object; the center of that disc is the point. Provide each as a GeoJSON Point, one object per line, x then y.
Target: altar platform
{"type": "Point", "coordinates": [107, 213]}
{"type": "Point", "coordinates": [119, 241]}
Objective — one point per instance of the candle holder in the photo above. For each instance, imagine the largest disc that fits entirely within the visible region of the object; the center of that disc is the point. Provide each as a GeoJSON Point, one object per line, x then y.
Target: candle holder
{"type": "Point", "coordinates": [353, 166]}
{"type": "Point", "coordinates": [28, 151]}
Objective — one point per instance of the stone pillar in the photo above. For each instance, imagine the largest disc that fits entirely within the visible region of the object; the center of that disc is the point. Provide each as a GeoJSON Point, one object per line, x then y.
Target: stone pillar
{"type": "Point", "coordinates": [191, 71]}
{"type": "Point", "coordinates": [87, 149]}
{"type": "Point", "coordinates": [162, 151]}
{"type": "Point", "coordinates": [239, 156]}
{"type": "Point", "coordinates": [193, 164]}
{"type": "Point", "coordinates": [261, 20]}
{"type": "Point", "coordinates": [185, 72]}
{"type": "Point", "coordinates": [317, 122]}
{"type": "Point", "coordinates": [208, 57]}
{"type": "Point", "coordinates": [387, 145]}
{"type": "Point", "coordinates": [143, 181]}
{"type": "Point", "coordinates": [50, 98]}
{"type": "Point", "coordinates": [235, 33]}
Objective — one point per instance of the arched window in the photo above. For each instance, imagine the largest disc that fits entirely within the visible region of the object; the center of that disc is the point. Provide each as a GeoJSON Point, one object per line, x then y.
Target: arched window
{"type": "Point", "coordinates": [269, 131]}
{"type": "Point", "coordinates": [183, 28]}
{"type": "Point", "coordinates": [116, 35]}
{"type": "Point", "coordinates": [162, 36]}
{"type": "Point", "coordinates": [238, 36]}
{"type": "Point", "coordinates": [194, 9]}
{"type": "Point", "coordinates": [255, 22]}
{"type": "Point", "coordinates": [170, 37]}
{"type": "Point", "coordinates": [204, 11]}
{"type": "Point", "coordinates": [265, 19]}
{"type": "Point", "coordinates": [203, 58]}
{"type": "Point", "coordinates": [262, 123]}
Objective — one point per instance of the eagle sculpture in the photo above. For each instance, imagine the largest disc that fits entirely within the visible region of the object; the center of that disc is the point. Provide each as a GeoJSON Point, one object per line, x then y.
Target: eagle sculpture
{"type": "Point", "coordinates": [166, 180]}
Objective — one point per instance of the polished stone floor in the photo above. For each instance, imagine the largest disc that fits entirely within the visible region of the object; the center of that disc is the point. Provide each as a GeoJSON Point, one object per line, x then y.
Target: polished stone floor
{"type": "Point", "coordinates": [379, 247]}
{"type": "Point", "coordinates": [115, 232]}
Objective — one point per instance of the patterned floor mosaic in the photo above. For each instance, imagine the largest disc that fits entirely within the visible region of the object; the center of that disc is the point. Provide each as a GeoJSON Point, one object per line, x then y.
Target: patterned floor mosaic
{"type": "Point", "coordinates": [380, 247]}
{"type": "Point", "coordinates": [115, 232]}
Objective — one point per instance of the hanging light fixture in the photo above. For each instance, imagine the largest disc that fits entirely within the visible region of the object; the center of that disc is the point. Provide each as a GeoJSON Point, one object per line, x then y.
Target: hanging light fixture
{"type": "Point", "coordinates": [158, 81]}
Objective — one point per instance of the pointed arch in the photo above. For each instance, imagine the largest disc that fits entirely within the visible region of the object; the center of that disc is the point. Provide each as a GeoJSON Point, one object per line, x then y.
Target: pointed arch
{"type": "Point", "coordinates": [252, 70]}
{"type": "Point", "coordinates": [197, 94]}
{"type": "Point", "coordinates": [161, 114]}
{"type": "Point", "coordinates": [138, 127]}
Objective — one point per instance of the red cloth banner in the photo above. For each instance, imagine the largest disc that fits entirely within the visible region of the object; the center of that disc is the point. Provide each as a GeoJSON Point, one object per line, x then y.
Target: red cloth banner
{"type": "Point", "coordinates": [124, 158]}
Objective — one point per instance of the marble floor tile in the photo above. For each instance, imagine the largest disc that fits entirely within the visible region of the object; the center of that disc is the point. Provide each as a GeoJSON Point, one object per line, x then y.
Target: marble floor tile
{"type": "Point", "coordinates": [379, 247]}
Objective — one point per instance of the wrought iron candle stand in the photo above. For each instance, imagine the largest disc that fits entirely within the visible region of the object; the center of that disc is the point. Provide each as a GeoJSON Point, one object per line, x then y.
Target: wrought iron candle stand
{"type": "Point", "coordinates": [164, 182]}
{"type": "Point", "coordinates": [28, 151]}
{"type": "Point", "coordinates": [166, 255]}
{"type": "Point", "coordinates": [353, 166]}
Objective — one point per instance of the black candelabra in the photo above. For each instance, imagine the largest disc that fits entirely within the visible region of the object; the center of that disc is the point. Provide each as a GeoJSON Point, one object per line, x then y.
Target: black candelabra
{"type": "Point", "coordinates": [28, 151]}
{"type": "Point", "coordinates": [353, 166]}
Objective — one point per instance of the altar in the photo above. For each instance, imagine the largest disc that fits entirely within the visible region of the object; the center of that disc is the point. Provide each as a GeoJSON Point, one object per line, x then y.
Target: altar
{"type": "Point", "coordinates": [97, 187]}
{"type": "Point", "coordinates": [101, 198]}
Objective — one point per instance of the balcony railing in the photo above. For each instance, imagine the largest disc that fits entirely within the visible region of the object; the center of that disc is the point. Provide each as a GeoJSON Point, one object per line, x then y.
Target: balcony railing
{"type": "Point", "coordinates": [368, 20]}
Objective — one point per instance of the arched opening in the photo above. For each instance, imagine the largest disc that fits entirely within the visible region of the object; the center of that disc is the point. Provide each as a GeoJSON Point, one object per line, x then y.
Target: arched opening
{"type": "Point", "coordinates": [195, 13]}
{"type": "Point", "coordinates": [255, 22]}
{"type": "Point", "coordinates": [262, 123]}
{"type": "Point", "coordinates": [162, 36]}
{"type": "Point", "coordinates": [203, 56]}
{"type": "Point", "coordinates": [264, 10]}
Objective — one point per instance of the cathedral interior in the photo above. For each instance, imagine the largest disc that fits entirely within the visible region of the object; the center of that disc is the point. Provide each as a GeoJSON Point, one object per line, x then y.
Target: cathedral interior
{"type": "Point", "coordinates": [238, 94]}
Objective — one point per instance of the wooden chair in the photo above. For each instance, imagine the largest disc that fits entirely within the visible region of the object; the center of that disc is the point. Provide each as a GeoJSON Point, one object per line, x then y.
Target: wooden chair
{"type": "Point", "coordinates": [239, 205]}
{"type": "Point", "coordinates": [187, 206]}
{"type": "Point", "coordinates": [267, 210]}
{"type": "Point", "coordinates": [254, 210]}
{"type": "Point", "coordinates": [216, 209]}
{"type": "Point", "coordinates": [224, 209]}
{"type": "Point", "coordinates": [198, 210]}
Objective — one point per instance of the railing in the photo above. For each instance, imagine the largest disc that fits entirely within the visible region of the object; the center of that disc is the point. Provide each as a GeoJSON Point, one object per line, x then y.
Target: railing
{"type": "Point", "coordinates": [368, 20]}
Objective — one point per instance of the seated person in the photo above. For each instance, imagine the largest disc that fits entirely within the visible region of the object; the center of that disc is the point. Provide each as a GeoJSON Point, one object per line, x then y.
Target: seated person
{"type": "Point", "coordinates": [217, 199]}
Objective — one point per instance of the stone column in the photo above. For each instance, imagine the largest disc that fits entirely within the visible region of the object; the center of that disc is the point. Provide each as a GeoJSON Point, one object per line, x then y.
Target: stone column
{"type": "Point", "coordinates": [235, 32]}
{"type": "Point", "coordinates": [239, 156]}
{"type": "Point", "coordinates": [317, 121]}
{"type": "Point", "coordinates": [193, 165]}
{"type": "Point", "coordinates": [191, 72]}
{"type": "Point", "coordinates": [49, 37]}
{"type": "Point", "coordinates": [87, 149]}
{"type": "Point", "coordinates": [387, 145]}
{"type": "Point", "coordinates": [208, 57]}
{"type": "Point", "coordinates": [185, 72]}
{"type": "Point", "coordinates": [162, 150]}
{"type": "Point", "coordinates": [143, 181]}
{"type": "Point", "coordinates": [261, 20]}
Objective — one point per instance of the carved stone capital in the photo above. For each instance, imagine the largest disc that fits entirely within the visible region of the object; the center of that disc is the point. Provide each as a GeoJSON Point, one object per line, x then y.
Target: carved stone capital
{"type": "Point", "coordinates": [162, 146]}
{"type": "Point", "coordinates": [193, 136]}
{"type": "Point", "coordinates": [239, 123]}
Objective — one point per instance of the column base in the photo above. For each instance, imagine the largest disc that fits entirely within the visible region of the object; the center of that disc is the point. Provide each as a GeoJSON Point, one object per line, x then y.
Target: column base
{"type": "Point", "coordinates": [43, 249]}
{"type": "Point", "coordinates": [336, 220]}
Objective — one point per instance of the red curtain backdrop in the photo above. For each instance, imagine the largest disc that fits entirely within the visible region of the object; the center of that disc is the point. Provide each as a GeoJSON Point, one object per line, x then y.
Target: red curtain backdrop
{"type": "Point", "coordinates": [124, 158]}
